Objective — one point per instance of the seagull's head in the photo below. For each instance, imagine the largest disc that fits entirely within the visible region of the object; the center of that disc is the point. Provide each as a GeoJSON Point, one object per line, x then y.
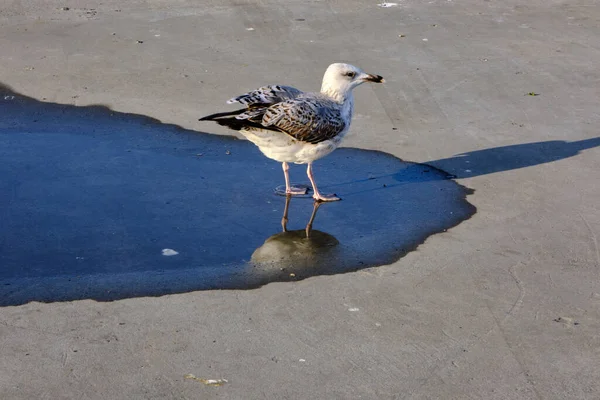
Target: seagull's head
{"type": "Point", "coordinates": [340, 79]}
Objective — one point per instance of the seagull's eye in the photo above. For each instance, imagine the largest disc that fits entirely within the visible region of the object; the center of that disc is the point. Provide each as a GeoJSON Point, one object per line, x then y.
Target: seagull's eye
{"type": "Point", "coordinates": [350, 74]}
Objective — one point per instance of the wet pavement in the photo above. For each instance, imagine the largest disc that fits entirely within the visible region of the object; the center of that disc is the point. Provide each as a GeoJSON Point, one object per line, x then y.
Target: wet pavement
{"type": "Point", "coordinates": [104, 205]}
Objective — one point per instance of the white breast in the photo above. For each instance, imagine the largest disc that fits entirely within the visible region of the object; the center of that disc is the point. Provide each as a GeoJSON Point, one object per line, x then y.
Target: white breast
{"type": "Point", "coordinates": [280, 147]}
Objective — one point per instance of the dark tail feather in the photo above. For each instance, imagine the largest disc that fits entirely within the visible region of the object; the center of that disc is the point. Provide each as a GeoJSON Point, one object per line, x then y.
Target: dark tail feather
{"type": "Point", "coordinates": [239, 124]}
{"type": "Point", "coordinates": [229, 120]}
{"type": "Point", "coordinates": [214, 117]}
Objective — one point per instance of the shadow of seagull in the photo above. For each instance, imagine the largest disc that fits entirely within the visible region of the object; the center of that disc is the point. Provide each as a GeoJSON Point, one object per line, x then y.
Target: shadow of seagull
{"type": "Point", "coordinates": [483, 162]}
{"type": "Point", "coordinates": [507, 158]}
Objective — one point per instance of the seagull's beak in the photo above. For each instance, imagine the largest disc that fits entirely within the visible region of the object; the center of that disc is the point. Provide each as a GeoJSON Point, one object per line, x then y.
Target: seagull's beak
{"type": "Point", "coordinates": [373, 78]}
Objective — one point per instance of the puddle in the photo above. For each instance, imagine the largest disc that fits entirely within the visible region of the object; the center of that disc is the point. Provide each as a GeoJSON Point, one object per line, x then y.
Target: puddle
{"type": "Point", "coordinates": [102, 205]}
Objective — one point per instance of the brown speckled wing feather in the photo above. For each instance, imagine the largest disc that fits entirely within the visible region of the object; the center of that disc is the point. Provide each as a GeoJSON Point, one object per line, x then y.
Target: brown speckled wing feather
{"type": "Point", "coordinates": [306, 119]}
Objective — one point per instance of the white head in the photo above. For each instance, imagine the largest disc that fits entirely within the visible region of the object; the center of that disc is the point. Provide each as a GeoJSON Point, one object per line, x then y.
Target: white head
{"type": "Point", "coordinates": [340, 79]}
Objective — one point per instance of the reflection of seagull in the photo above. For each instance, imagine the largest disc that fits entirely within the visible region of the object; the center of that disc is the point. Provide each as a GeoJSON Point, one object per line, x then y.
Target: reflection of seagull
{"type": "Point", "coordinates": [284, 219]}
{"type": "Point", "coordinates": [291, 126]}
{"type": "Point", "coordinates": [293, 251]}
{"type": "Point", "coordinates": [298, 249]}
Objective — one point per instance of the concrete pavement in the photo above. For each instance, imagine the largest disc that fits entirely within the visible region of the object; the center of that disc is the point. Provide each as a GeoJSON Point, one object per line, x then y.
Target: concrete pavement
{"type": "Point", "coordinates": [505, 305]}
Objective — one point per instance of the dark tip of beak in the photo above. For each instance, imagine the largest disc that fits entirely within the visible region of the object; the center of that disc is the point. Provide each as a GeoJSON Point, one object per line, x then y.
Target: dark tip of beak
{"type": "Point", "coordinates": [375, 78]}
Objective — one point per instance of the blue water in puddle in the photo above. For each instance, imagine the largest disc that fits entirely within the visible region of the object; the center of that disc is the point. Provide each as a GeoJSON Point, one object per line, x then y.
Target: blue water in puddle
{"type": "Point", "coordinates": [90, 198]}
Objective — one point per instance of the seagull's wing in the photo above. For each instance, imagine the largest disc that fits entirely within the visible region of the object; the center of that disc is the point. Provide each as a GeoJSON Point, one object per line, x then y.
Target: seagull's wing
{"type": "Point", "coordinates": [284, 109]}
{"type": "Point", "coordinates": [311, 120]}
{"type": "Point", "coordinates": [266, 95]}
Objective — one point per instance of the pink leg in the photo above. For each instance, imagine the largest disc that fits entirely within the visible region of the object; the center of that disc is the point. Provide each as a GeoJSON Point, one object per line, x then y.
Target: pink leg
{"type": "Point", "coordinates": [289, 189]}
{"type": "Point", "coordinates": [318, 196]}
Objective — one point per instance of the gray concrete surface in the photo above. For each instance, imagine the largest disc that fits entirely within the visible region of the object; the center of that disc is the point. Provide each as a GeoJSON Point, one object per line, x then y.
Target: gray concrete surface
{"type": "Point", "coordinates": [502, 306]}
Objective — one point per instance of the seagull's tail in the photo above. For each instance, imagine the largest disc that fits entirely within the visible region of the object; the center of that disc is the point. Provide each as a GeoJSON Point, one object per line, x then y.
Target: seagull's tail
{"type": "Point", "coordinates": [229, 120]}
{"type": "Point", "coordinates": [215, 117]}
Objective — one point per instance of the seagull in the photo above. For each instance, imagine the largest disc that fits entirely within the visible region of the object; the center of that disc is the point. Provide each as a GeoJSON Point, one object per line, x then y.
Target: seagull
{"type": "Point", "coordinates": [291, 126]}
